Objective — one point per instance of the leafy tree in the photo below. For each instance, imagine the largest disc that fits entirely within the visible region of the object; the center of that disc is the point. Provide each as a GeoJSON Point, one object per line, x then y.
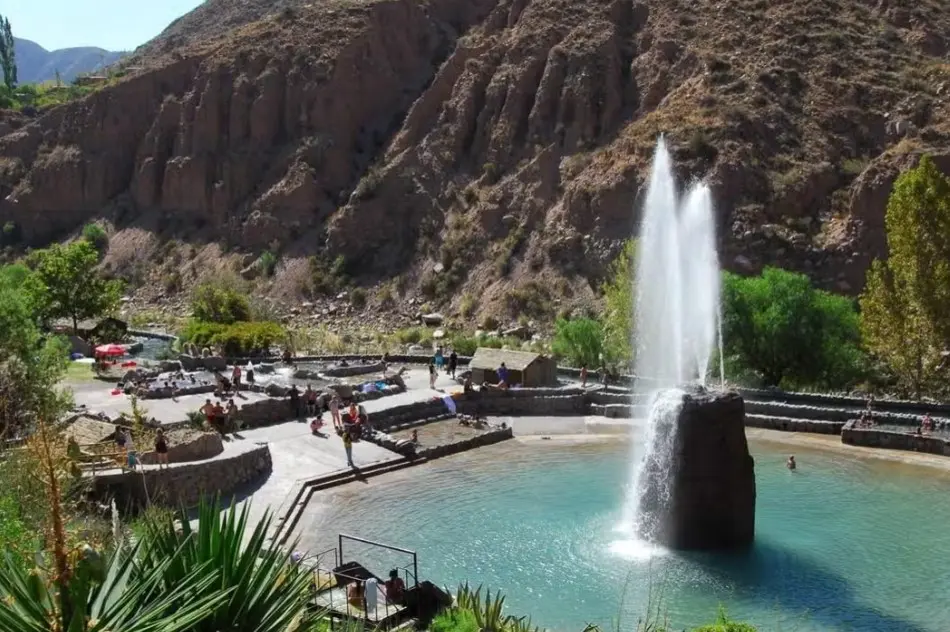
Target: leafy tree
{"type": "Point", "coordinates": [67, 284]}
{"type": "Point", "coordinates": [784, 329]}
{"type": "Point", "coordinates": [216, 302]}
{"type": "Point", "coordinates": [905, 307]}
{"type": "Point", "coordinates": [30, 364]}
{"type": "Point", "coordinates": [7, 54]}
{"type": "Point", "coordinates": [579, 341]}
{"type": "Point", "coordinates": [618, 307]}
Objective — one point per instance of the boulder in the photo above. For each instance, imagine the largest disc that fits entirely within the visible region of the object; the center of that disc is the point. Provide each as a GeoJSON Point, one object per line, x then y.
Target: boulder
{"type": "Point", "coordinates": [433, 320]}
{"type": "Point", "coordinates": [697, 488]}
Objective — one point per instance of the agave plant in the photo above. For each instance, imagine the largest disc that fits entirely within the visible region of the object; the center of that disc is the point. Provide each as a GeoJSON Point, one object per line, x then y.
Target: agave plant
{"type": "Point", "coordinates": [104, 595]}
{"type": "Point", "coordinates": [266, 592]}
{"type": "Point", "coordinates": [488, 614]}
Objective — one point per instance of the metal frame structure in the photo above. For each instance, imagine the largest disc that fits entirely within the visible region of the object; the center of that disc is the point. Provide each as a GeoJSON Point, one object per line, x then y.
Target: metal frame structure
{"type": "Point", "coordinates": [415, 557]}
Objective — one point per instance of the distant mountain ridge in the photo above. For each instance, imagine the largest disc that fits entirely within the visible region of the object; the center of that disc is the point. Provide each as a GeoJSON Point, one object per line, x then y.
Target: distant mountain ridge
{"type": "Point", "coordinates": [35, 64]}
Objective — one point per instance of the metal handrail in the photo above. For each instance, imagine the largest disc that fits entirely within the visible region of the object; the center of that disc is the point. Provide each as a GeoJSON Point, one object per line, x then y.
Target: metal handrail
{"type": "Point", "coordinates": [415, 557]}
{"type": "Point", "coordinates": [351, 610]}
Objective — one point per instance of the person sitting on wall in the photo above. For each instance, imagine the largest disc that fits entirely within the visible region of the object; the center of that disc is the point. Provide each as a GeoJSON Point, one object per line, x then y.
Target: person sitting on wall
{"type": "Point", "coordinates": [355, 594]}
{"type": "Point", "coordinates": [218, 415]}
{"type": "Point", "coordinates": [232, 416]}
{"type": "Point", "coordinates": [395, 587]}
{"type": "Point", "coordinates": [316, 425]}
{"type": "Point", "coordinates": [208, 411]}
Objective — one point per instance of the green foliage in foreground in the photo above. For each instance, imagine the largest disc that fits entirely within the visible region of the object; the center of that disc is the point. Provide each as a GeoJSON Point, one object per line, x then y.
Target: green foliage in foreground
{"type": "Point", "coordinates": [473, 612]}
{"type": "Point", "coordinates": [789, 333]}
{"type": "Point", "coordinates": [579, 341]}
{"type": "Point", "coordinates": [266, 592]}
{"type": "Point", "coordinates": [236, 339]}
{"type": "Point", "coordinates": [216, 577]}
{"type": "Point", "coordinates": [31, 364]}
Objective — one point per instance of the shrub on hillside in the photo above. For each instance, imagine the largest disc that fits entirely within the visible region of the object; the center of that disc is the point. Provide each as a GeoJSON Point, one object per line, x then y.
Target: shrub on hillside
{"type": "Point", "coordinates": [235, 339]}
{"type": "Point", "coordinates": [579, 342]}
{"type": "Point", "coordinates": [790, 333]}
{"type": "Point", "coordinates": [218, 303]}
{"type": "Point", "coordinates": [96, 235]}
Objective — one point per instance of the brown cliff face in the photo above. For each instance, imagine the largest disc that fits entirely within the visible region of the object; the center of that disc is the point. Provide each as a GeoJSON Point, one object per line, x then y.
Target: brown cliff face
{"type": "Point", "coordinates": [482, 147]}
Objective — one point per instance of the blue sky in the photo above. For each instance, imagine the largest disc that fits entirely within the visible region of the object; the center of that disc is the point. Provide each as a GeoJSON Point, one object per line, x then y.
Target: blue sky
{"type": "Point", "coordinates": [109, 24]}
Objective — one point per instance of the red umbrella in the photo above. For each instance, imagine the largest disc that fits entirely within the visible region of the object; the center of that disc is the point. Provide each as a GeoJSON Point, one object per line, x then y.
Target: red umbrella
{"type": "Point", "coordinates": [110, 350]}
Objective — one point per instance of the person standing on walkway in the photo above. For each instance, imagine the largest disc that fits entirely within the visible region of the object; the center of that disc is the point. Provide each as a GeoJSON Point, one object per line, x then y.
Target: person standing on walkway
{"type": "Point", "coordinates": [584, 376]}
{"type": "Point", "coordinates": [335, 411]}
{"type": "Point", "coordinates": [161, 449]}
{"type": "Point", "coordinates": [432, 374]}
{"type": "Point", "coordinates": [453, 363]}
{"type": "Point", "coordinates": [439, 358]}
{"type": "Point", "coordinates": [348, 448]}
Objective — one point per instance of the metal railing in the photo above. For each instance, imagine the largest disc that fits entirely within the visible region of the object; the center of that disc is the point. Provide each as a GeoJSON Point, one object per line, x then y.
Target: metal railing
{"type": "Point", "coordinates": [342, 589]}
{"type": "Point", "coordinates": [353, 538]}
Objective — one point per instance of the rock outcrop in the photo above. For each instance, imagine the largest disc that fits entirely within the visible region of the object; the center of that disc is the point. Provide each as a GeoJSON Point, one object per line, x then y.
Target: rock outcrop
{"type": "Point", "coordinates": [485, 148]}
{"type": "Point", "coordinates": [698, 486]}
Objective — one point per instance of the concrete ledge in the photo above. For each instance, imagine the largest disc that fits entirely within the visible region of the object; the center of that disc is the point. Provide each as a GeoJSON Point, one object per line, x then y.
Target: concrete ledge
{"type": "Point", "coordinates": [893, 440]}
{"type": "Point", "coordinates": [792, 424]}
{"type": "Point", "coordinates": [185, 484]}
{"type": "Point", "coordinates": [495, 435]}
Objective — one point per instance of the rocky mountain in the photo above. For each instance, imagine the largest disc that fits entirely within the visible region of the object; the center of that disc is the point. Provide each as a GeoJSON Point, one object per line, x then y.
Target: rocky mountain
{"type": "Point", "coordinates": [35, 64]}
{"type": "Point", "coordinates": [487, 154]}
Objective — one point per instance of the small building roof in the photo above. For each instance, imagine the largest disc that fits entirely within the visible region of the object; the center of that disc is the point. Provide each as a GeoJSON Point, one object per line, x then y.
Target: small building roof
{"type": "Point", "coordinates": [88, 324]}
{"type": "Point", "coordinates": [86, 430]}
{"type": "Point", "coordinates": [486, 358]}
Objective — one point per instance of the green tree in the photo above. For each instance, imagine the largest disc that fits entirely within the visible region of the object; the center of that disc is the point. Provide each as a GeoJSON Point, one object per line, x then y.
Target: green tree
{"type": "Point", "coordinates": [905, 307]}
{"type": "Point", "coordinates": [67, 284]}
{"type": "Point", "coordinates": [781, 327]}
{"type": "Point", "coordinates": [579, 341]}
{"type": "Point", "coordinates": [218, 302]}
{"type": "Point", "coordinates": [31, 364]}
{"type": "Point", "coordinates": [7, 54]}
{"type": "Point", "coordinates": [618, 307]}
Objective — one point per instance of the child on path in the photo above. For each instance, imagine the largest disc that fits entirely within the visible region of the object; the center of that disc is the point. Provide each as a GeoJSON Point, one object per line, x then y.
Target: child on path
{"type": "Point", "coordinates": [348, 448]}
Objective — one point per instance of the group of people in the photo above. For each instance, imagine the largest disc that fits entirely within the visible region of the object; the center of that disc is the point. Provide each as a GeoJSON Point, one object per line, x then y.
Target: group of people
{"type": "Point", "coordinates": [128, 454]}
{"type": "Point", "coordinates": [220, 417]}
{"type": "Point", "coordinates": [364, 594]}
{"type": "Point", "coordinates": [439, 362]}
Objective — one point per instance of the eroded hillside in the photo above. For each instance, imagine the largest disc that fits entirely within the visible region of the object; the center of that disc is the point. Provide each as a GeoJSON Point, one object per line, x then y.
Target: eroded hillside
{"type": "Point", "coordinates": [486, 149]}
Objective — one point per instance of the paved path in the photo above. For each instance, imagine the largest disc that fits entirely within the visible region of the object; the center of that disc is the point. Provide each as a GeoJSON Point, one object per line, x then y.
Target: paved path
{"type": "Point", "coordinates": [298, 454]}
{"type": "Point", "coordinates": [101, 400]}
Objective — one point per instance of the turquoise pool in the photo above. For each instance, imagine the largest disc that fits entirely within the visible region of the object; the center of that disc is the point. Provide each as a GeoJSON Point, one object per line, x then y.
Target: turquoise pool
{"type": "Point", "coordinates": [842, 544]}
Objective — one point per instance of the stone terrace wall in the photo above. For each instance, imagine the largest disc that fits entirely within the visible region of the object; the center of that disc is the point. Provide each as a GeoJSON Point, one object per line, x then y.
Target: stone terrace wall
{"type": "Point", "coordinates": [496, 435]}
{"type": "Point", "coordinates": [184, 484]}
{"type": "Point", "coordinates": [871, 438]}
{"type": "Point", "coordinates": [202, 446]}
{"type": "Point", "coordinates": [549, 402]}
{"type": "Point", "coordinates": [790, 424]}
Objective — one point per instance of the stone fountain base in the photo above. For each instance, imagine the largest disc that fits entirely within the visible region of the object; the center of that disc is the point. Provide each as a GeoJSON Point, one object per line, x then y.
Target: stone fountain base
{"type": "Point", "coordinates": [703, 496]}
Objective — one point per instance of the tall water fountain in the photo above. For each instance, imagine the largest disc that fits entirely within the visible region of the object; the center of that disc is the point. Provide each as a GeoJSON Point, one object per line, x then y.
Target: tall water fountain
{"type": "Point", "coordinates": [693, 485]}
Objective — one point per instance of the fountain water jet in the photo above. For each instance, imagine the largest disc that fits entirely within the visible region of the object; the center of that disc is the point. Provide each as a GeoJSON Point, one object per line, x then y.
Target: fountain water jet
{"type": "Point", "coordinates": [677, 327]}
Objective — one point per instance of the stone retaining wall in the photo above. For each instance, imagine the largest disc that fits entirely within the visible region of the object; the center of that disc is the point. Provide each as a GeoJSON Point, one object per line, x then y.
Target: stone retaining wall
{"type": "Point", "coordinates": [204, 445]}
{"type": "Point", "coordinates": [353, 369]}
{"type": "Point", "coordinates": [791, 424]}
{"type": "Point", "coordinates": [183, 484]}
{"type": "Point", "coordinates": [495, 435]}
{"type": "Point", "coordinates": [872, 438]}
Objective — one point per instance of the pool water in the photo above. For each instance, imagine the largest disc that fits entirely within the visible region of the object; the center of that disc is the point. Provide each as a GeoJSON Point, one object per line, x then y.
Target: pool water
{"type": "Point", "coordinates": [842, 544]}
